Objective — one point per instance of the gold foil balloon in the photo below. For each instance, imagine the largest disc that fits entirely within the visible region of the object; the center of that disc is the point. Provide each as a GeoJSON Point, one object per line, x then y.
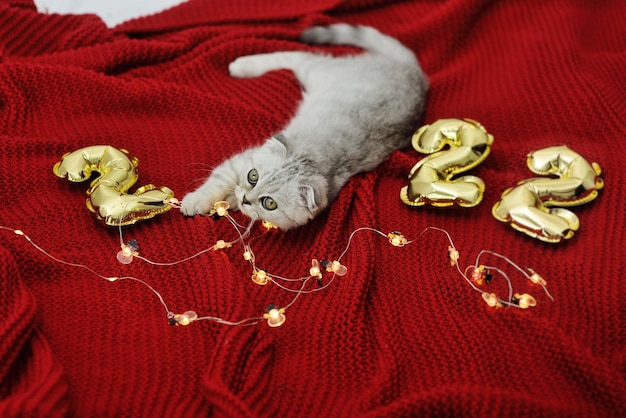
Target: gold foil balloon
{"type": "Point", "coordinates": [107, 195]}
{"type": "Point", "coordinates": [525, 206]}
{"type": "Point", "coordinates": [431, 180]}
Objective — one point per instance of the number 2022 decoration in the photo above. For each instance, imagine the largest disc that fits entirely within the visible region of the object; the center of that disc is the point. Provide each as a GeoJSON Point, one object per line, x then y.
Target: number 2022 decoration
{"type": "Point", "coordinates": [534, 206]}
{"type": "Point", "coordinates": [431, 179]}
{"type": "Point", "coordinates": [107, 195]}
{"type": "Point", "coordinates": [526, 206]}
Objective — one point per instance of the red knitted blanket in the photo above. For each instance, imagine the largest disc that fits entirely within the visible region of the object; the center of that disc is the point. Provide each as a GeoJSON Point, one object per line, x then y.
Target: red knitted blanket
{"type": "Point", "coordinates": [402, 333]}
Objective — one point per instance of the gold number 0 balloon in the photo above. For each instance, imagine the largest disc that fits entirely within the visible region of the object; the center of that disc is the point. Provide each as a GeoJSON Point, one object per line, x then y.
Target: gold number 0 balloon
{"type": "Point", "coordinates": [430, 180]}
{"type": "Point", "coordinates": [525, 207]}
{"type": "Point", "coordinates": [107, 195]}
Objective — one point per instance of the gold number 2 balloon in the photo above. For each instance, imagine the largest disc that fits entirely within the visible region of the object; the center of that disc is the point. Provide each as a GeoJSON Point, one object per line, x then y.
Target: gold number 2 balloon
{"type": "Point", "coordinates": [107, 196]}
{"type": "Point", "coordinates": [431, 180]}
{"type": "Point", "coordinates": [525, 206]}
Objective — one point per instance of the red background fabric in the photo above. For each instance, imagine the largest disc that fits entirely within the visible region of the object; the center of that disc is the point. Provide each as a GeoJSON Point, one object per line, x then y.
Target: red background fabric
{"type": "Point", "coordinates": [401, 334]}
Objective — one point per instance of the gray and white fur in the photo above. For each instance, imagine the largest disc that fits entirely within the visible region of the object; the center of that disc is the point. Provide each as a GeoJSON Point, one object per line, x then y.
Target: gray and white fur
{"type": "Point", "coordinates": [355, 111]}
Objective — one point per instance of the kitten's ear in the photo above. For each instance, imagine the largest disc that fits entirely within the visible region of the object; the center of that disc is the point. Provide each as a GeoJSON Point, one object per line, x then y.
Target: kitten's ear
{"type": "Point", "coordinates": [308, 194]}
{"type": "Point", "coordinates": [278, 144]}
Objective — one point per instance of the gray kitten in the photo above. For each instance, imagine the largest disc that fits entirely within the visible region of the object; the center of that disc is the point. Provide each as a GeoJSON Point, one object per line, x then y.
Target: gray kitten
{"type": "Point", "coordinates": [355, 111]}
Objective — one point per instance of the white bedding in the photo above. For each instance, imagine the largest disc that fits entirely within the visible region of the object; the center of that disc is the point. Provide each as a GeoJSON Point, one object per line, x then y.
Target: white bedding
{"type": "Point", "coordinates": [112, 12]}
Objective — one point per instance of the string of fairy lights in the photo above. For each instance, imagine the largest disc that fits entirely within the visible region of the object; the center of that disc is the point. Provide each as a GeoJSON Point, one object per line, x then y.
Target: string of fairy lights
{"type": "Point", "coordinates": [476, 275]}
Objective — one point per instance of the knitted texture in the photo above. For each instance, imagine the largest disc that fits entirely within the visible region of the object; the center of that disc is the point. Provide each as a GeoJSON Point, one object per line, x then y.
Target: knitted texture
{"type": "Point", "coordinates": [402, 334]}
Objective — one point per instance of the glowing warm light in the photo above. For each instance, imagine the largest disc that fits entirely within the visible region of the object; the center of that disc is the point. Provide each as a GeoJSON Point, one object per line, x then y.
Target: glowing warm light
{"type": "Point", "coordinates": [337, 268]}
{"type": "Point", "coordinates": [126, 254]}
{"type": "Point", "coordinates": [537, 279]}
{"type": "Point", "coordinates": [184, 318]}
{"type": "Point", "coordinates": [221, 244]}
{"type": "Point", "coordinates": [221, 208]}
{"type": "Point", "coordinates": [525, 300]}
{"type": "Point", "coordinates": [268, 225]}
{"type": "Point", "coordinates": [259, 277]}
{"type": "Point", "coordinates": [248, 255]}
{"type": "Point", "coordinates": [397, 239]}
{"type": "Point", "coordinates": [478, 275]}
{"type": "Point", "coordinates": [275, 317]}
{"type": "Point", "coordinates": [492, 300]}
{"type": "Point", "coordinates": [454, 256]}
{"type": "Point", "coordinates": [315, 269]}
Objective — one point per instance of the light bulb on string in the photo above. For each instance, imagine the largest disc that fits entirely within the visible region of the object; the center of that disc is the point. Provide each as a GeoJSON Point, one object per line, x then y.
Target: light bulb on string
{"type": "Point", "coordinates": [269, 226]}
{"type": "Point", "coordinates": [220, 208]}
{"type": "Point", "coordinates": [221, 244]}
{"type": "Point", "coordinates": [492, 300]}
{"type": "Point", "coordinates": [260, 277]}
{"type": "Point", "coordinates": [477, 275]}
{"type": "Point", "coordinates": [397, 239]}
{"type": "Point", "coordinates": [128, 252]}
{"type": "Point", "coordinates": [183, 319]}
{"type": "Point", "coordinates": [275, 316]}
{"type": "Point", "coordinates": [315, 270]}
{"type": "Point", "coordinates": [248, 255]}
{"type": "Point", "coordinates": [524, 301]}
{"type": "Point", "coordinates": [335, 267]}
{"type": "Point", "coordinates": [453, 254]}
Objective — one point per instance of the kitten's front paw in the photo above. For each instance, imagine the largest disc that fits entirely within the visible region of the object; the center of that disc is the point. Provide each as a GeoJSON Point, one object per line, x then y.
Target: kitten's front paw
{"type": "Point", "coordinates": [244, 67]}
{"type": "Point", "coordinates": [196, 203]}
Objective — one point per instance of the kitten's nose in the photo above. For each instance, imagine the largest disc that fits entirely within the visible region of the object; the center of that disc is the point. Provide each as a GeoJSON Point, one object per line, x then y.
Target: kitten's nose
{"type": "Point", "coordinates": [245, 201]}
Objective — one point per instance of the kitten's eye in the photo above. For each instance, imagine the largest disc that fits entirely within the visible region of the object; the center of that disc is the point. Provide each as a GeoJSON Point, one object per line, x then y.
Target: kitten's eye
{"type": "Point", "coordinates": [268, 203]}
{"type": "Point", "coordinates": [253, 177]}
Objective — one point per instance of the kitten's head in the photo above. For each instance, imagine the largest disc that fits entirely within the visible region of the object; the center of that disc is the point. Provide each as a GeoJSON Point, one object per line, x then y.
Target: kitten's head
{"type": "Point", "coordinates": [280, 188]}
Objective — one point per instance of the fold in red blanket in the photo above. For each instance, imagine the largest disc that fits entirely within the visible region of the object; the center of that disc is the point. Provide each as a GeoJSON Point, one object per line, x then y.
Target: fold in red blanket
{"type": "Point", "coordinates": [402, 333]}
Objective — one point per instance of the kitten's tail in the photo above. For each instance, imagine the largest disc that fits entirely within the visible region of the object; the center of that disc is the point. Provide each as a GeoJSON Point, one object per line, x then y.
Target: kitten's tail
{"type": "Point", "coordinates": [364, 37]}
